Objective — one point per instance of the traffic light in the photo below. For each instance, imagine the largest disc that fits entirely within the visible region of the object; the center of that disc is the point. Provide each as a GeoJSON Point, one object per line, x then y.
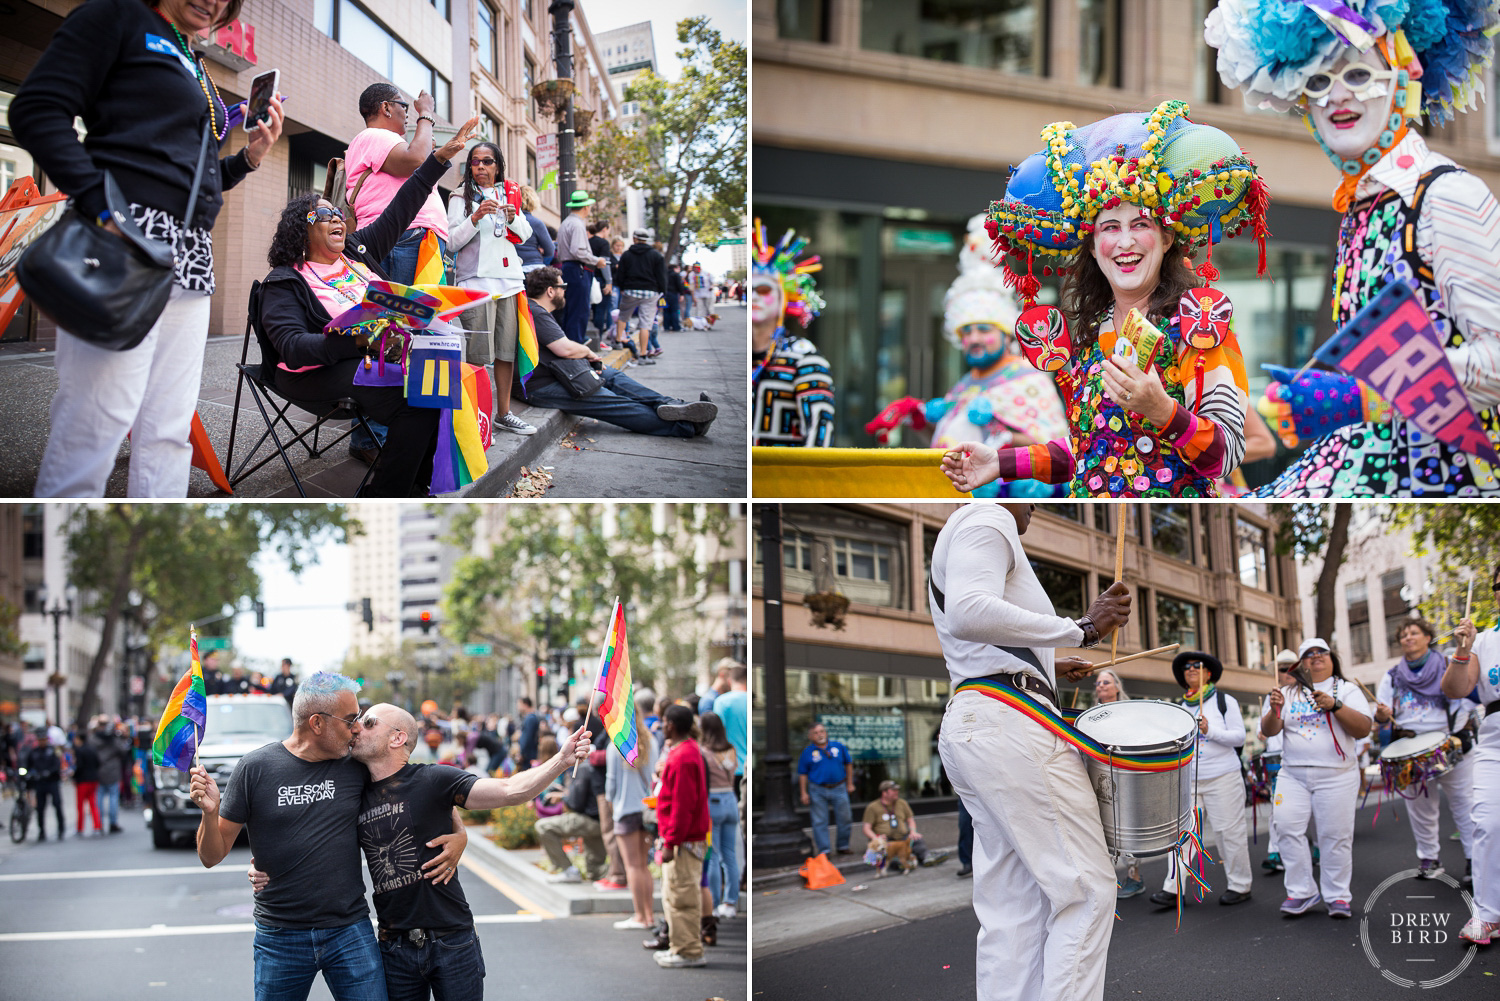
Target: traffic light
{"type": "Point", "coordinates": [367, 613]}
{"type": "Point", "coordinates": [541, 673]}
{"type": "Point", "coordinates": [260, 613]}
{"type": "Point", "coordinates": [426, 621]}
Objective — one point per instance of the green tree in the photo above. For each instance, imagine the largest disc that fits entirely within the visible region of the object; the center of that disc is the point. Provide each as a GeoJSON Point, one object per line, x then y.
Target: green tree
{"type": "Point", "coordinates": [10, 629]}
{"type": "Point", "coordinates": [695, 131]}
{"type": "Point", "coordinates": [613, 156]}
{"type": "Point", "coordinates": [1465, 538]}
{"type": "Point", "coordinates": [1317, 530]}
{"type": "Point", "coordinates": [186, 561]}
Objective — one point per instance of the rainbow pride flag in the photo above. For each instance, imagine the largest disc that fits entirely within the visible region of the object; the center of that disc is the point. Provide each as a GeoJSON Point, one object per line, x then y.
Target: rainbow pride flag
{"type": "Point", "coordinates": [429, 261]}
{"type": "Point", "coordinates": [463, 435]}
{"type": "Point", "coordinates": [529, 353]}
{"type": "Point", "coordinates": [617, 702]}
{"type": "Point", "coordinates": [181, 728]}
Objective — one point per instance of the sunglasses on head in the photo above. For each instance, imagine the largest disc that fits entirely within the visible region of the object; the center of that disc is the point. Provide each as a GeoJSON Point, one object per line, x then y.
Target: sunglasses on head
{"type": "Point", "coordinates": [324, 213]}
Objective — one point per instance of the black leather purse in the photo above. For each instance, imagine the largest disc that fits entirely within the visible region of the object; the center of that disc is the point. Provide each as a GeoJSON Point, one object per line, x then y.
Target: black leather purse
{"type": "Point", "coordinates": [99, 287]}
{"type": "Point", "coordinates": [577, 375]}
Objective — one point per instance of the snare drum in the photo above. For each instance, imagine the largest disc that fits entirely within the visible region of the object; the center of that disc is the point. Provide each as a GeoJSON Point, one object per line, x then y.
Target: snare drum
{"type": "Point", "coordinates": [1413, 760]}
{"type": "Point", "coordinates": [1144, 813]}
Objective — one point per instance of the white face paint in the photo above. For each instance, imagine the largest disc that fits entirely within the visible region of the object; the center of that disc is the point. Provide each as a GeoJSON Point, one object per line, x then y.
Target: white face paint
{"type": "Point", "coordinates": [1347, 124]}
{"type": "Point", "coordinates": [1129, 246]}
{"type": "Point", "coordinates": [765, 301]}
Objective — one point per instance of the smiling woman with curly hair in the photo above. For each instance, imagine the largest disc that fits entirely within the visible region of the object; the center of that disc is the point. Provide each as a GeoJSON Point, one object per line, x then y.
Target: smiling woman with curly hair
{"type": "Point", "coordinates": [319, 269]}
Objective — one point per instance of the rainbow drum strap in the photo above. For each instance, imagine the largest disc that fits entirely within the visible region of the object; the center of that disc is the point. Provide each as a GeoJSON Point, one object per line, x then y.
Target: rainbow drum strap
{"type": "Point", "coordinates": [1060, 723]}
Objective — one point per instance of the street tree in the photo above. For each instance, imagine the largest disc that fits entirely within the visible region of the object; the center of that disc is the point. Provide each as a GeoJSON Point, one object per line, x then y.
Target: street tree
{"type": "Point", "coordinates": [1317, 531]}
{"type": "Point", "coordinates": [1465, 539]}
{"type": "Point", "coordinates": [185, 561]}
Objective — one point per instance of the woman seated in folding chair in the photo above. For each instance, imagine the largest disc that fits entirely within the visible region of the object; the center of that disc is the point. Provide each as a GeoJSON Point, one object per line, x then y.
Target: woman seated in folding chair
{"type": "Point", "coordinates": [318, 270]}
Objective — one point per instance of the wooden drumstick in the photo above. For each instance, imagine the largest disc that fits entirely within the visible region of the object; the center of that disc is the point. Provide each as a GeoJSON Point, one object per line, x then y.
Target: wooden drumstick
{"type": "Point", "coordinates": [1114, 637]}
{"type": "Point", "coordinates": [1134, 656]}
{"type": "Point", "coordinates": [1469, 600]}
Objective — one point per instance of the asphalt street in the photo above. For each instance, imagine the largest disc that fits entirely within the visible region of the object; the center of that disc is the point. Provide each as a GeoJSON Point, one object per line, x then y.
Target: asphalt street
{"type": "Point", "coordinates": [601, 460]}
{"type": "Point", "coordinates": [112, 917]}
{"type": "Point", "coordinates": [913, 936]}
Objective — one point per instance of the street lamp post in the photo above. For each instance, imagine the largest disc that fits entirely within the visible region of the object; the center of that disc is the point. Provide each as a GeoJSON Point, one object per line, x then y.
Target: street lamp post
{"type": "Point", "coordinates": [62, 608]}
{"type": "Point", "coordinates": [778, 835]}
{"type": "Point", "coordinates": [562, 56]}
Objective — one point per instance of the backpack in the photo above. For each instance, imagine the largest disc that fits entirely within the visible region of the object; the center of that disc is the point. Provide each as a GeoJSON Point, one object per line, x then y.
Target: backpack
{"type": "Point", "coordinates": [335, 186]}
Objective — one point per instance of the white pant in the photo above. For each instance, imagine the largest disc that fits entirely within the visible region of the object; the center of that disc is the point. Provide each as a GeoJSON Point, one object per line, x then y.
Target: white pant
{"type": "Point", "coordinates": [1422, 811]}
{"type": "Point", "coordinates": [703, 302]}
{"type": "Point", "coordinates": [1330, 794]}
{"type": "Point", "coordinates": [1486, 857]}
{"type": "Point", "coordinates": [1223, 800]}
{"type": "Point", "coordinates": [1044, 887]}
{"type": "Point", "coordinates": [150, 391]}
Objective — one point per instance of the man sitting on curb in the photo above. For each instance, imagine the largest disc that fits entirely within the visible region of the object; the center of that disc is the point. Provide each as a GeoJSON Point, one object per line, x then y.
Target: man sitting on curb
{"type": "Point", "coordinates": [579, 819]}
{"type": "Point", "coordinates": [573, 379]}
{"type": "Point", "coordinates": [891, 829]}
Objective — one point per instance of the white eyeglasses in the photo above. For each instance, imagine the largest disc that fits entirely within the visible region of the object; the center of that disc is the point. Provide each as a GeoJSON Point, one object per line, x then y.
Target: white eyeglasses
{"type": "Point", "coordinates": [1364, 82]}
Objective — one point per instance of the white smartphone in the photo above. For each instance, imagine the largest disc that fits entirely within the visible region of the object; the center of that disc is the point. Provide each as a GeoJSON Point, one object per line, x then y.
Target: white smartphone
{"type": "Point", "coordinates": [262, 89]}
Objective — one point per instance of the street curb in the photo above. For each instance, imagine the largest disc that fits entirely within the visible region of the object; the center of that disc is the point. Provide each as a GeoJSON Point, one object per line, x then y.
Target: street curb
{"type": "Point", "coordinates": [505, 470]}
{"type": "Point", "coordinates": [559, 898]}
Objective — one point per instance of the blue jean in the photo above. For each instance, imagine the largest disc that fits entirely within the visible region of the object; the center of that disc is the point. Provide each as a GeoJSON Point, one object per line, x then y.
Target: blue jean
{"type": "Point", "coordinates": [724, 863]}
{"type": "Point", "coordinates": [401, 265]}
{"type": "Point", "coordinates": [109, 803]}
{"type": "Point", "coordinates": [601, 313]}
{"type": "Point", "coordinates": [452, 967]}
{"type": "Point", "coordinates": [823, 799]}
{"type": "Point", "coordinates": [620, 401]}
{"type": "Point", "coordinates": [651, 342]}
{"type": "Point", "coordinates": [673, 318]}
{"type": "Point", "coordinates": [287, 959]}
{"type": "Point", "coordinates": [575, 312]}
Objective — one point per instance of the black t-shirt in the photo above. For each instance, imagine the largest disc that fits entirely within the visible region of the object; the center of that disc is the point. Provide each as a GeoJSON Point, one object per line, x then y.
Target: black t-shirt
{"type": "Point", "coordinates": [399, 815]}
{"type": "Point", "coordinates": [300, 816]}
{"type": "Point", "coordinates": [584, 791]}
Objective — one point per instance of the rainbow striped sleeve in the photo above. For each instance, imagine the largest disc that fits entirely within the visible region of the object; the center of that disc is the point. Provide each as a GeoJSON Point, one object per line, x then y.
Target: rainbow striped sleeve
{"type": "Point", "coordinates": [1051, 462]}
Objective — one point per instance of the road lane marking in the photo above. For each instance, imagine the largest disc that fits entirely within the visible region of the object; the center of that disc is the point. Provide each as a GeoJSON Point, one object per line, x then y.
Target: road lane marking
{"type": "Point", "coordinates": [169, 931]}
{"type": "Point", "coordinates": [529, 907]}
{"type": "Point", "coordinates": [177, 870]}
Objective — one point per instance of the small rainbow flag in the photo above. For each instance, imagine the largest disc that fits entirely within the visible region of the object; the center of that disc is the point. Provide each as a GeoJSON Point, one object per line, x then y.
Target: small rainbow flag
{"type": "Point", "coordinates": [530, 353]}
{"type": "Point", "coordinates": [429, 261]}
{"type": "Point", "coordinates": [617, 703]}
{"type": "Point", "coordinates": [181, 728]}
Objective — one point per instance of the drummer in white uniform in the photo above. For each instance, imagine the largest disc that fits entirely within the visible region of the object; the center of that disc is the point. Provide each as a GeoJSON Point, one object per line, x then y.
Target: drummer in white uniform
{"type": "Point", "coordinates": [1044, 887]}
{"type": "Point", "coordinates": [1220, 786]}
{"type": "Point", "coordinates": [1411, 695]}
{"type": "Point", "coordinates": [1465, 672]}
{"type": "Point", "coordinates": [1322, 723]}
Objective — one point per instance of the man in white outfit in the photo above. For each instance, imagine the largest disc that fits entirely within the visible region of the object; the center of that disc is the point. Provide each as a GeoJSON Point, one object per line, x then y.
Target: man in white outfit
{"type": "Point", "coordinates": [1411, 694]}
{"type": "Point", "coordinates": [1220, 786]}
{"type": "Point", "coordinates": [1465, 673]}
{"type": "Point", "coordinates": [1044, 886]}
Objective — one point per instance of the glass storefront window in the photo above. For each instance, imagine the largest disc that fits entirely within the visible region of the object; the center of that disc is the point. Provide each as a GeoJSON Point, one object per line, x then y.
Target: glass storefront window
{"type": "Point", "coordinates": [1172, 531]}
{"type": "Point", "coordinates": [1251, 540]}
{"type": "Point", "coordinates": [805, 20]}
{"type": "Point", "coordinates": [1176, 622]}
{"type": "Point", "coordinates": [1004, 35]}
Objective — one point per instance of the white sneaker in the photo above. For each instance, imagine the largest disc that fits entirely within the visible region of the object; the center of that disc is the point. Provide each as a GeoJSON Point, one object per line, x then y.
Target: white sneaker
{"type": "Point", "coordinates": [630, 924]}
{"type": "Point", "coordinates": [510, 422]}
{"type": "Point", "coordinates": [568, 875]}
{"type": "Point", "coordinates": [669, 960]}
{"type": "Point", "coordinates": [726, 912]}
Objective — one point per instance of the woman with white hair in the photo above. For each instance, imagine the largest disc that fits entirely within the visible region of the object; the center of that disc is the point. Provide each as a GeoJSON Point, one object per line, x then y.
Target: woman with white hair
{"type": "Point", "coordinates": [1108, 687]}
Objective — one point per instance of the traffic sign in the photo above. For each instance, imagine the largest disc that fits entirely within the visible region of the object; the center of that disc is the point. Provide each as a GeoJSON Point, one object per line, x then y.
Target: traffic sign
{"type": "Point", "coordinates": [207, 643]}
{"type": "Point", "coordinates": [735, 240]}
{"type": "Point", "coordinates": [478, 649]}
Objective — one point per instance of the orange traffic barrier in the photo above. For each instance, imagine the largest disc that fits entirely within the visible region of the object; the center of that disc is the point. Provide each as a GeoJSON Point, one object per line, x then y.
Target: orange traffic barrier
{"type": "Point", "coordinates": [820, 873]}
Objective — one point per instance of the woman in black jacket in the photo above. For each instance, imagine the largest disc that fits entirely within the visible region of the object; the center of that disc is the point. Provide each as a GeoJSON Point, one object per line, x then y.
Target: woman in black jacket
{"type": "Point", "coordinates": [125, 68]}
{"type": "Point", "coordinates": [319, 269]}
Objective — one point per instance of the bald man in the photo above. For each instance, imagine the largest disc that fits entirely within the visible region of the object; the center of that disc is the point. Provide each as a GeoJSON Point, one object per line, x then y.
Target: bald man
{"type": "Point", "coordinates": [427, 932]}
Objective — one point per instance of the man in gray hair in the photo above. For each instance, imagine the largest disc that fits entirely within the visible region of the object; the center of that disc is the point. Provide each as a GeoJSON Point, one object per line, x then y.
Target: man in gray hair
{"type": "Point", "coordinates": [300, 799]}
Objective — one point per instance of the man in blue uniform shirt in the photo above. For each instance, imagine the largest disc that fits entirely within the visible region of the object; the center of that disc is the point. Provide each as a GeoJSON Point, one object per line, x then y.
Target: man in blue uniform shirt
{"type": "Point", "coordinates": [826, 777]}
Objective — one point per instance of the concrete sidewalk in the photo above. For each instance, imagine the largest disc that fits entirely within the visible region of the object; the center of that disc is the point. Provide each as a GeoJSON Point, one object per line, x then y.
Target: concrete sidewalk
{"type": "Point", "coordinates": [28, 380]}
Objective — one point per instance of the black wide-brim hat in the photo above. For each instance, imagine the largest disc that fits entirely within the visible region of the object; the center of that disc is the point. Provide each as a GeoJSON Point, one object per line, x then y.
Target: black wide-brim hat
{"type": "Point", "coordinates": [1186, 657]}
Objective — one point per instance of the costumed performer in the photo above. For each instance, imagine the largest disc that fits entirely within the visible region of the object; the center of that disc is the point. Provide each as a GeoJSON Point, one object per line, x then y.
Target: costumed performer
{"type": "Point", "coordinates": [1323, 717]}
{"type": "Point", "coordinates": [791, 384]}
{"type": "Point", "coordinates": [1410, 214]}
{"type": "Point", "coordinates": [1150, 372]}
{"type": "Point", "coordinates": [1044, 886]}
{"type": "Point", "coordinates": [1476, 664]}
{"type": "Point", "coordinates": [1001, 400]}
{"type": "Point", "coordinates": [1410, 695]}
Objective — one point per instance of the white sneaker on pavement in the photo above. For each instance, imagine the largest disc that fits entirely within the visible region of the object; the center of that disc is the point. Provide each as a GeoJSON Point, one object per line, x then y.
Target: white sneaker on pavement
{"type": "Point", "coordinates": [630, 924]}
{"type": "Point", "coordinates": [668, 960]}
{"type": "Point", "coordinates": [512, 423]}
{"type": "Point", "coordinates": [568, 875]}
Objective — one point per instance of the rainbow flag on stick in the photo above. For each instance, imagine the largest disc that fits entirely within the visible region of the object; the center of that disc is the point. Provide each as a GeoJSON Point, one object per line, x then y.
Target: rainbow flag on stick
{"type": "Point", "coordinates": [617, 702]}
{"type": "Point", "coordinates": [181, 728]}
{"type": "Point", "coordinates": [528, 353]}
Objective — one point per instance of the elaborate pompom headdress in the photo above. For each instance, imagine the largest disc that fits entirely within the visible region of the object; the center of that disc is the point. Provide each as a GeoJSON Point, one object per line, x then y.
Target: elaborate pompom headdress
{"type": "Point", "coordinates": [979, 294]}
{"type": "Point", "coordinates": [780, 263]}
{"type": "Point", "coordinates": [1192, 178]}
{"type": "Point", "coordinates": [1270, 47]}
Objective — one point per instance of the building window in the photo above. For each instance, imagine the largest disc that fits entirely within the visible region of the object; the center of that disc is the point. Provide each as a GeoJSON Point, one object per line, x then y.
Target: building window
{"type": "Point", "coordinates": [1176, 622]}
{"type": "Point", "coordinates": [1172, 531]}
{"type": "Point", "coordinates": [1101, 517]}
{"type": "Point", "coordinates": [1205, 66]}
{"type": "Point", "coordinates": [1205, 532]}
{"type": "Point", "coordinates": [1063, 586]}
{"type": "Point", "coordinates": [1394, 597]}
{"type": "Point", "coordinates": [349, 25]}
{"type": "Point", "coordinates": [1099, 43]}
{"type": "Point", "coordinates": [531, 167]}
{"type": "Point", "coordinates": [1357, 600]}
{"type": "Point", "coordinates": [1004, 35]}
{"type": "Point", "coordinates": [1251, 539]}
{"type": "Point", "coordinates": [797, 551]}
{"type": "Point", "coordinates": [33, 534]}
{"type": "Point", "coordinates": [493, 130]}
{"type": "Point", "coordinates": [486, 36]}
{"type": "Point", "coordinates": [859, 560]}
{"type": "Point", "coordinates": [528, 80]}
{"type": "Point", "coordinates": [1072, 512]}
{"type": "Point", "coordinates": [442, 8]}
{"type": "Point", "coordinates": [1259, 640]}
{"type": "Point", "coordinates": [805, 20]}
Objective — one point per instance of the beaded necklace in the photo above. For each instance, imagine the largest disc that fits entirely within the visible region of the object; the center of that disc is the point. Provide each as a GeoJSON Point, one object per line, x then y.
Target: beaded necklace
{"type": "Point", "coordinates": [342, 281]}
{"type": "Point", "coordinates": [217, 113]}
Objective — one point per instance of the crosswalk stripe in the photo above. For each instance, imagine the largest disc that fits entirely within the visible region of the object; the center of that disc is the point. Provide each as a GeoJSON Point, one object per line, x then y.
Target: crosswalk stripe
{"type": "Point", "coordinates": [176, 870]}
{"type": "Point", "coordinates": [168, 931]}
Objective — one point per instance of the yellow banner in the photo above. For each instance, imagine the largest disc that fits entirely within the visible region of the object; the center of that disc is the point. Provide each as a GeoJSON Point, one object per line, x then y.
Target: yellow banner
{"type": "Point", "coordinates": [896, 473]}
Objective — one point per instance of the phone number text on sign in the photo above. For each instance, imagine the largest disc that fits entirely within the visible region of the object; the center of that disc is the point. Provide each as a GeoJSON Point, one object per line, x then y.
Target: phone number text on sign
{"type": "Point", "coordinates": [867, 736]}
